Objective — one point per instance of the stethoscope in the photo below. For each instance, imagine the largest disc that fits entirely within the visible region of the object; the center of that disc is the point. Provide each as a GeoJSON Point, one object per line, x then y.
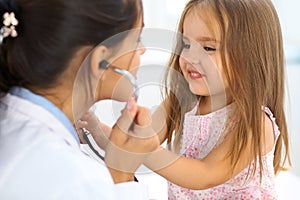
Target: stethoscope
{"type": "Point", "coordinates": [105, 65]}
{"type": "Point", "coordinates": [87, 136]}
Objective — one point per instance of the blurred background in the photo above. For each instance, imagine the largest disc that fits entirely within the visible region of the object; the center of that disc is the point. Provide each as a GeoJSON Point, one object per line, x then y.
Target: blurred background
{"type": "Point", "coordinates": [164, 14]}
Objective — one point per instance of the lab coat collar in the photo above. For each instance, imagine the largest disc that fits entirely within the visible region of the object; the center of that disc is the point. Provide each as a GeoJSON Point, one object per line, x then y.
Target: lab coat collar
{"type": "Point", "coordinates": [46, 104]}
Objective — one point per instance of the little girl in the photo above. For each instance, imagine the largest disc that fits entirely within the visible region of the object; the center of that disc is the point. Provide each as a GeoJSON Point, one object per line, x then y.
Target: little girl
{"type": "Point", "coordinates": [222, 119]}
{"type": "Point", "coordinates": [230, 142]}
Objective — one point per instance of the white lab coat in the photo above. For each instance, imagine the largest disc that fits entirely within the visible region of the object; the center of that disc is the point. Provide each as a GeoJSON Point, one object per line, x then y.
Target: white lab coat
{"type": "Point", "coordinates": [40, 159]}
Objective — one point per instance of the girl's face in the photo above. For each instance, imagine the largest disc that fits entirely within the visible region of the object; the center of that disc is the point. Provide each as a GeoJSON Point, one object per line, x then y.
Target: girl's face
{"type": "Point", "coordinates": [113, 85]}
{"type": "Point", "coordinates": [200, 59]}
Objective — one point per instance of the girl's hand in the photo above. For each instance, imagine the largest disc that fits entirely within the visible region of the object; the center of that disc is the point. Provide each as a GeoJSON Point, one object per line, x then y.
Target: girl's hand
{"type": "Point", "coordinates": [131, 140]}
{"type": "Point", "coordinates": [99, 131]}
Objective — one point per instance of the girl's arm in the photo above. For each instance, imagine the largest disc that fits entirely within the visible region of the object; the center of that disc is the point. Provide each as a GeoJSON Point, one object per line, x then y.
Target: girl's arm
{"type": "Point", "coordinates": [160, 120]}
{"type": "Point", "coordinates": [192, 173]}
{"type": "Point", "coordinates": [211, 171]}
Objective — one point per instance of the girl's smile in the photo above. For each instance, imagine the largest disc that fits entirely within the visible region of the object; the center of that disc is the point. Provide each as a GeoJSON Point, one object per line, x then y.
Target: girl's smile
{"type": "Point", "coordinates": [194, 74]}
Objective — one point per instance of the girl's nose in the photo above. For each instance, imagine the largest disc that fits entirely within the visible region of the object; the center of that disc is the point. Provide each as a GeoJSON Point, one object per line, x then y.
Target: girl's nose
{"type": "Point", "coordinates": [190, 58]}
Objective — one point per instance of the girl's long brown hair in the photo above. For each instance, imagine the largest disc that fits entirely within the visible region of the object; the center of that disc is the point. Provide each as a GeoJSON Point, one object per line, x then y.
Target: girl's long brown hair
{"type": "Point", "coordinates": [253, 60]}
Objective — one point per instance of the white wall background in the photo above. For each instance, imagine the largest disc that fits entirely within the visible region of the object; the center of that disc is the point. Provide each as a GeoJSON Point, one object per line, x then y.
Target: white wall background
{"type": "Point", "coordinates": [289, 15]}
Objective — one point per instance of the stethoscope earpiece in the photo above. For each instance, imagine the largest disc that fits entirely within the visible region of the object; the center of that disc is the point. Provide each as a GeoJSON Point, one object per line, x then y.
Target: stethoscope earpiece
{"type": "Point", "coordinates": [103, 64]}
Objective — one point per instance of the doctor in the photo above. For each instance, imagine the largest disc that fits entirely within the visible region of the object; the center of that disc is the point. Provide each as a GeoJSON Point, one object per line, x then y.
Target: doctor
{"type": "Point", "coordinates": [44, 89]}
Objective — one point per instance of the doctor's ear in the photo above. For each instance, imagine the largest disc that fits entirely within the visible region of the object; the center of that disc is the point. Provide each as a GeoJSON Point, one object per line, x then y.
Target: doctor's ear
{"type": "Point", "coordinates": [98, 56]}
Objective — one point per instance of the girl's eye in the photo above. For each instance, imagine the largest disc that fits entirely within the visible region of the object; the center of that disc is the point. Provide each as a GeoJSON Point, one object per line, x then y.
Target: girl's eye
{"type": "Point", "coordinates": [209, 49]}
{"type": "Point", "coordinates": [186, 46]}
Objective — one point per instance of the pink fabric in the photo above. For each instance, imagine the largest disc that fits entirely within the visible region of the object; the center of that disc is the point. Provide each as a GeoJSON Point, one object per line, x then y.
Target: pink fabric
{"type": "Point", "coordinates": [203, 133]}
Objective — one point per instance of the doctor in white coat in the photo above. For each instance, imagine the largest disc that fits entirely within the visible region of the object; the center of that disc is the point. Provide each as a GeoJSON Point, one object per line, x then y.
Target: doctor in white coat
{"type": "Point", "coordinates": [42, 47]}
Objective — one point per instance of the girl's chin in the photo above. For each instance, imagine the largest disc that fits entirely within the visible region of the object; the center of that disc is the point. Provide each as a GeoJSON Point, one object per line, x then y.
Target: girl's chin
{"type": "Point", "coordinates": [197, 91]}
{"type": "Point", "coordinates": [122, 98]}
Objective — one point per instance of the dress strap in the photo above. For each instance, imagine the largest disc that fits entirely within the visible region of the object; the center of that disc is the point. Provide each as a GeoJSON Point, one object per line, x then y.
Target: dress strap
{"type": "Point", "coordinates": [273, 119]}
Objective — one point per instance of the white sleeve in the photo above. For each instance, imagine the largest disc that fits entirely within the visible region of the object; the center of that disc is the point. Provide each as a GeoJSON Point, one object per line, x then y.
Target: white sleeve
{"type": "Point", "coordinates": [92, 191]}
{"type": "Point", "coordinates": [131, 191]}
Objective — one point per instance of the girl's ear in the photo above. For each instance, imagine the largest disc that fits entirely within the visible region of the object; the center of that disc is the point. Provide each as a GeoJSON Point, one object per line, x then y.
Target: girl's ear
{"type": "Point", "coordinates": [98, 55]}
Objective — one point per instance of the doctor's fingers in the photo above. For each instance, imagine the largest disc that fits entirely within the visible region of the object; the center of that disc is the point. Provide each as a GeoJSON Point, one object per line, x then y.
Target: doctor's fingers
{"type": "Point", "coordinates": [79, 125]}
{"type": "Point", "coordinates": [91, 122]}
{"type": "Point", "coordinates": [91, 119]}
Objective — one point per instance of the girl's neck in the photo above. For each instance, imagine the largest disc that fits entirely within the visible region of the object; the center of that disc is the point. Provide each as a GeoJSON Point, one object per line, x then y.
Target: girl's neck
{"type": "Point", "coordinates": [208, 104]}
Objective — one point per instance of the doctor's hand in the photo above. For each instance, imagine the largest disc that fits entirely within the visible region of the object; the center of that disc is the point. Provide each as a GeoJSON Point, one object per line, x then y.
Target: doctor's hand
{"type": "Point", "coordinates": [132, 139]}
{"type": "Point", "coordinates": [99, 130]}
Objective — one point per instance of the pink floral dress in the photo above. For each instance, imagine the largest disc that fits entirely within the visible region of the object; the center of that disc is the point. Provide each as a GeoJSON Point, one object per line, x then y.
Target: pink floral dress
{"type": "Point", "coordinates": [201, 134]}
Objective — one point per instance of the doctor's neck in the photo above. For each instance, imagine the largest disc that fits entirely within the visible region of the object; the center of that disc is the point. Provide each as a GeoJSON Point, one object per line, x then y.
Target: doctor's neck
{"type": "Point", "coordinates": [60, 97]}
{"type": "Point", "coordinates": [61, 92]}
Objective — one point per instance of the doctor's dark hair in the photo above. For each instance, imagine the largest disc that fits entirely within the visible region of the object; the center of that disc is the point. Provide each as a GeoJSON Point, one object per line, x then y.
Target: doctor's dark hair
{"type": "Point", "coordinates": [50, 32]}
